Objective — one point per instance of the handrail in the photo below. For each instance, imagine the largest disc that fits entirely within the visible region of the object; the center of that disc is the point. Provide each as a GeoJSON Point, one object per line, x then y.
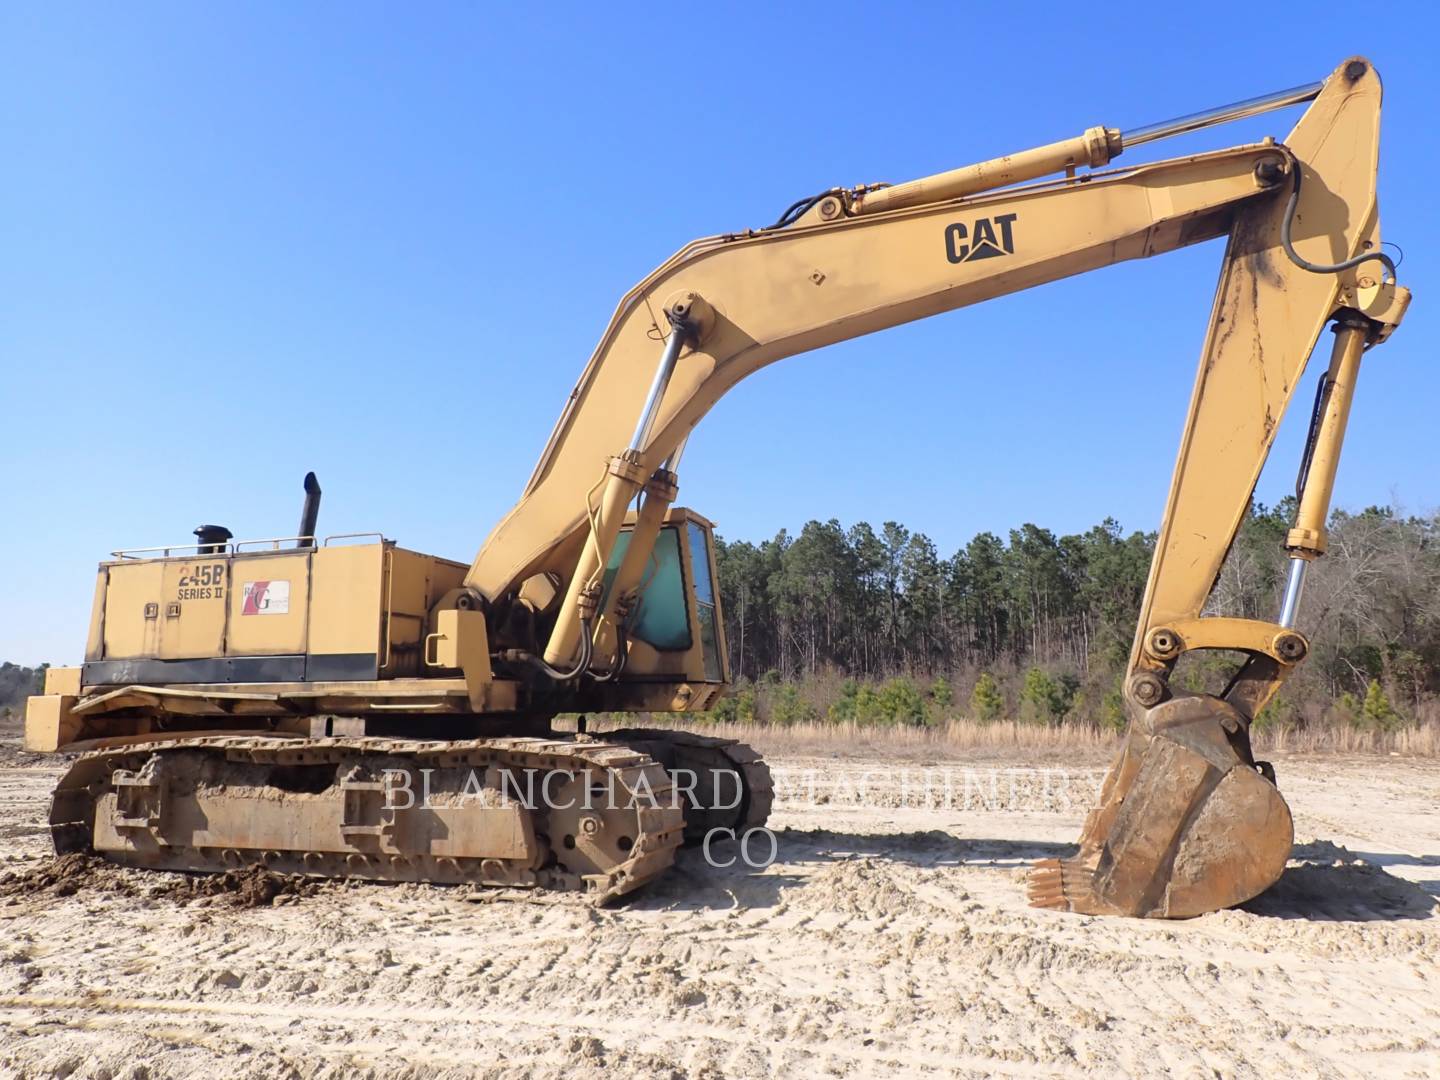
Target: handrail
{"type": "Point", "coordinates": [351, 536]}
{"type": "Point", "coordinates": [137, 553]}
{"type": "Point", "coordinates": [273, 541]}
{"type": "Point", "coordinates": [234, 547]}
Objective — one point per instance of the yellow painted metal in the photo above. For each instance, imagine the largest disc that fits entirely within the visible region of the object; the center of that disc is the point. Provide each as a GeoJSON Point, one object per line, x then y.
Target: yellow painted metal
{"type": "Point", "coordinates": [352, 600]}
{"type": "Point", "coordinates": [269, 605]}
{"type": "Point", "coordinates": [1094, 148]}
{"type": "Point", "coordinates": [132, 610]}
{"type": "Point", "coordinates": [62, 680]}
{"type": "Point", "coordinates": [776, 293]}
{"type": "Point", "coordinates": [660, 492]}
{"type": "Point", "coordinates": [1223, 632]}
{"type": "Point", "coordinates": [623, 478]}
{"type": "Point", "coordinates": [1384, 303]}
{"type": "Point", "coordinates": [95, 637]}
{"type": "Point", "coordinates": [346, 599]}
{"type": "Point", "coordinates": [50, 722]}
{"type": "Point", "coordinates": [721, 645]}
{"type": "Point", "coordinates": [1267, 317]}
{"type": "Point", "coordinates": [1307, 538]}
{"type": "Point", "coordinates": [205, 817]}
{"type": "Point", "coordinates": [678, 676]}
{"type": "Point", "coordinates": [538, 592]}
{"type": "Point", "coordinates": [414, 583]}
{"type": "Point", "coordinates": [192, 608]}
{"type": "Point", "coordinates": [1188, 820]}
{"type": "Point", "coordinates": [460, 642]}
{"type": "Point", "coordinates": [884, 257]}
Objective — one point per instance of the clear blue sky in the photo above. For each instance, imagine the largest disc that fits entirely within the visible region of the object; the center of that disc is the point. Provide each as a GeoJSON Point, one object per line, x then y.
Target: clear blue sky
{"type": "Point", "coordinates": [380, 241]}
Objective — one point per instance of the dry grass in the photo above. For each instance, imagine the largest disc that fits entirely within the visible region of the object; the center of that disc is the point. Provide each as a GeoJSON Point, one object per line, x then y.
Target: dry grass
{"type": "Point", "coordinates": [957, 736]}
{"type": "Point", "coordinates": [1082, 742]}
{"type": "Point", "coordinates": [1422, 740]}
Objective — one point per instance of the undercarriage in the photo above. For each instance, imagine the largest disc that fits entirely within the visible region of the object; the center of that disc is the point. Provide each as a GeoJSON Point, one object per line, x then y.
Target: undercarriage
{"type": "Point", "coordinates": [600, 815]}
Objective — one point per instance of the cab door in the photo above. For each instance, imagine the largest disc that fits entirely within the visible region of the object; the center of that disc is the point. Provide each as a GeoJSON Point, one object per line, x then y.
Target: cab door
{"type": "Point", "coordinates": [701, 572]}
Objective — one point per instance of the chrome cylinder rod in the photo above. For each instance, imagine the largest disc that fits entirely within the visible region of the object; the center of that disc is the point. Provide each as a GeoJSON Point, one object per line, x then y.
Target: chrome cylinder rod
{"type": "Point", "coordinates": [672, 463]}
{"type": "Point", "coordinates": [1294, 589]}
{"type": "Point", "coordinates": [1223, 115]}
{"type": "Point", "coordinates": [673, 344]}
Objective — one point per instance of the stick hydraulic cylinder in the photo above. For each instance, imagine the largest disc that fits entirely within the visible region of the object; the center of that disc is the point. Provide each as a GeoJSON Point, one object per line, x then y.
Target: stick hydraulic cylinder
{"type": "Point", "coordinates": [1307, 539]}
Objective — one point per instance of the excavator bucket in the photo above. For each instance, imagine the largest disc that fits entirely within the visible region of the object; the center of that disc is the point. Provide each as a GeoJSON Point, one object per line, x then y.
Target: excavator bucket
{"type": "Point", "coordinates": [1187, 822]}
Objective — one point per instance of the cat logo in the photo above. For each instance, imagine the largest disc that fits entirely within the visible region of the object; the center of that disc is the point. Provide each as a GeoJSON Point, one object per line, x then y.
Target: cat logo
{"type": "Point", "coordinates": [966, 245]}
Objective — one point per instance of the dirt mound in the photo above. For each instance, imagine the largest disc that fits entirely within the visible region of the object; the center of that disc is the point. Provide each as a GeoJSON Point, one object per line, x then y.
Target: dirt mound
{"type": "Point", "coordinates": [252, 886]}
{"type": "Point", "coordinates": [65, 875]}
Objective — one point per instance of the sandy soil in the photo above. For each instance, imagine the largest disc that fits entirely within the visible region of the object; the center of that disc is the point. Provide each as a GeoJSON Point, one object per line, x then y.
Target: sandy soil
{"type": "Point", "coordinates": [890, 937]}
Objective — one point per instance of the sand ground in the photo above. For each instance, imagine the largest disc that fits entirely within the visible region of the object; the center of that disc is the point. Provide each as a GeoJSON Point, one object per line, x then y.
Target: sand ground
{"type": "Point", "coordinates": [889, 937]}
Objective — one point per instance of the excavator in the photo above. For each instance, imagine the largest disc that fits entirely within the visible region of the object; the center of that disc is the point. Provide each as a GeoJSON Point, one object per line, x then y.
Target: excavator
{"type": "Point", "coordinates": [342, 706]}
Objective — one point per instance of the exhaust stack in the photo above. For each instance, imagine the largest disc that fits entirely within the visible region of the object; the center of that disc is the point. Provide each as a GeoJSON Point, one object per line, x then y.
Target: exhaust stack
{"type": "Point", "coordinates": [309, 513]}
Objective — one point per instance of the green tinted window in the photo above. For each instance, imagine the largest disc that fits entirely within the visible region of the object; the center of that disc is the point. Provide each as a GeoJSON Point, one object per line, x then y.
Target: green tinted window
{"type": "Point", "coordinates": [709, 645]}
{"type": "Point", "coordinates": [704, 599]}
{"type": "Point", "coordinates": [700, 563]}
{"type": "Point", "coordinates": [617, 556]}
{"type": "Point", "coordinates": [661, 618]}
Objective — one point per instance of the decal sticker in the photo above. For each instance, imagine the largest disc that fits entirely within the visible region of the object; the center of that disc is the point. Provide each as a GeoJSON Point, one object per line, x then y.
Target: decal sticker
{"type": "Point", "coordinates": [966, 244]}
{"type": "Point", "coordinates": [265, 598]}
{"type": "Point", "coordinates": [203, 581]}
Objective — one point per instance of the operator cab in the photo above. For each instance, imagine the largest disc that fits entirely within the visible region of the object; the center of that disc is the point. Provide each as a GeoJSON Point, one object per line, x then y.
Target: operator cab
{"type": "Point", "coordinates": [676, 627]}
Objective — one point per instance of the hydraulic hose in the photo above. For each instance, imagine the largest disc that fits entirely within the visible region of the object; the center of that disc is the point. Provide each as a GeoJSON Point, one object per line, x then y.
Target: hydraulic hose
{"type": "Point", "coordinates": [796, 210]}
{"type": "Point", "coordinates": [1317, 411]}
{"type": "Point", "coordinates": [622, 653]}
{"type": "Point", "coordinates": [1321, 268]}
{"type": "Point", "coordinates": [587, 653]}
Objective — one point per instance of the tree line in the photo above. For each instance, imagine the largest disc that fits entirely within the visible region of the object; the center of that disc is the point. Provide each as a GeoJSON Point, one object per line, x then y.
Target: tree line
{"type": "Point", "coordinates": [823, 622]}
{"type": "Point", "coordinates": [17, 683]}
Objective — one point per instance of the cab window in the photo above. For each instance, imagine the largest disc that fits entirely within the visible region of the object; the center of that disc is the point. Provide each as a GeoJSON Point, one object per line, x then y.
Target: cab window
{"type": "Point", "coordinates": [661, 619]}
{"type": "Point", "coordinates": [704, 599]}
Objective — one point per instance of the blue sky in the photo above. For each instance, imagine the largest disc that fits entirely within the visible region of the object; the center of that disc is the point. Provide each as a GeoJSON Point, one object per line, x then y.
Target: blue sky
{"type": "Point", "coordinates": [380, 241]}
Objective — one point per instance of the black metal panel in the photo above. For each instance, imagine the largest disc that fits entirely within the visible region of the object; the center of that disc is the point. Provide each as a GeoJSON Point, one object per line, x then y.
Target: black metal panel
{"type": "Point", "coordinates": [209, 670]}
{"type": "Point", "coordinates": [232, 669]}
{"type": "Point", "coordinates": [341, 667]}
{"type": "Point", "coordinates": [266, 669]}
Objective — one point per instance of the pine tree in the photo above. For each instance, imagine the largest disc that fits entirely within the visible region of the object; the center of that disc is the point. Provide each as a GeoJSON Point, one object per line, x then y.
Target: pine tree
{"type": "Point", "coordinates": [1379, 714]}
{"type": "Point", "coordinates": [942, 695]}
{"type": "Point", "coordinates": [1038, 698]}
{"type": "Point", "coordinates": [986, 702]}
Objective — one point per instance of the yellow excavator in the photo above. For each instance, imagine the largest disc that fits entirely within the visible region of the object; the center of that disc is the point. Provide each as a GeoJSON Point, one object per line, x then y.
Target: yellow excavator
{"type": "Point", "coordinates": [342, 706]}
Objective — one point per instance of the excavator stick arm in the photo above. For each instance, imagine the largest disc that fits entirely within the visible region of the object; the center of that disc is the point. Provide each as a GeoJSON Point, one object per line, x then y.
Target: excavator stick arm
{"type": "Point", "coordinates": [1189, 822]}
{"type": "Point", "coordinates": [1267, 318]}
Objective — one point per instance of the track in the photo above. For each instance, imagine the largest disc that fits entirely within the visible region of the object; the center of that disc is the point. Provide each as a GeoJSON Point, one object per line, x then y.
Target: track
{"type": "Point", "coordinates": [601, 816]}
{"type": "Point", "coordinates": [711, 761]}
